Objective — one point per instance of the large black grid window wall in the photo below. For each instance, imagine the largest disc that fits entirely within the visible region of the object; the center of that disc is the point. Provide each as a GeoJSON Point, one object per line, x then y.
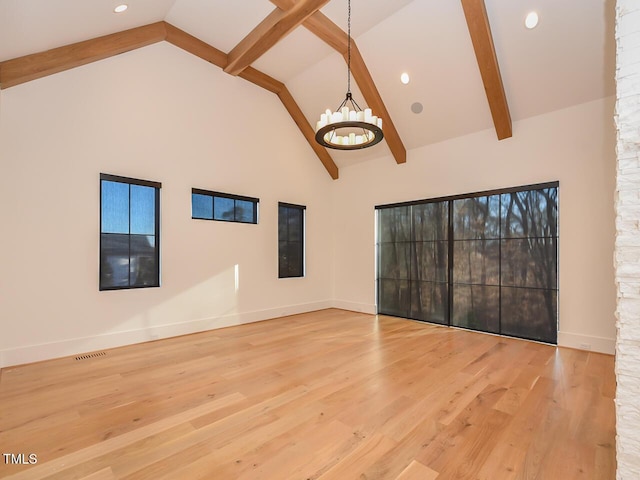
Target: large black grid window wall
{"type": "Point", "coordinates": [225, 207]}
{"type": "Point", "coordinates": [484, 261]}
{"type": "Point", "coordinates": [129, 233]}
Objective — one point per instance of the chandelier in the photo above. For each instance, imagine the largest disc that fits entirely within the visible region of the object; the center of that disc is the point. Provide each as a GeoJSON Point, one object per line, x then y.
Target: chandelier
{"type": "Point", "coordinates": [349, 127]}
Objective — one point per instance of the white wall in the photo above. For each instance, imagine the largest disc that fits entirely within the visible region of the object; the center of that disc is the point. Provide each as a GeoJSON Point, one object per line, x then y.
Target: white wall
{"type": "Point", "coordinates": [627, 245]}
{"type": "Point", "coordinates": [575, 146]}
{"type": "Point", "coordinates": [159, 114]}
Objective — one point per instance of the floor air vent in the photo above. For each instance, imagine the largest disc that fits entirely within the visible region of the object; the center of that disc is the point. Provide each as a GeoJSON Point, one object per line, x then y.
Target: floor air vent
{"type": "Point", "coordinates": [91, 355]}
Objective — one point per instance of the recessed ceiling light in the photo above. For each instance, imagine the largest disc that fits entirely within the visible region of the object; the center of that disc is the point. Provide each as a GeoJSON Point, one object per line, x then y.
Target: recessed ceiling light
{"type": "Point", "coordinates": [404, 78]}
{"type": "Point", "coordinates": [120, 8]}
{"type": "Point", "coordinates": [531, 20]}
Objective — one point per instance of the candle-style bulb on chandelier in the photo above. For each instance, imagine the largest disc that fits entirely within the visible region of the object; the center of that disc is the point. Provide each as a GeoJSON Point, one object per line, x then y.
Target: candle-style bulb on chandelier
{"type": "Point", "coordinates": [349, 127]}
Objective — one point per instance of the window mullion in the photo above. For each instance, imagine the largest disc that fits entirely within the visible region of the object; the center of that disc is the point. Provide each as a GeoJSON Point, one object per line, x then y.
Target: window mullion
{"type": "Point", "coordinates": [129, 236]}
{"type": "Point", "coordinates": [450, 261]}
{"type": "Point", "coordinates": [500, 264]}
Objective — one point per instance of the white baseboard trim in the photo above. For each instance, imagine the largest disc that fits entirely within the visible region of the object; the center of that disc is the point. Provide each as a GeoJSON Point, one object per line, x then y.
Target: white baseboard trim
{"type": "Point", "coordinates": [75, 346]}
{"type": "Point", "coordinates": [48, 351]}
{"type": "Point", "coordinates": [355, 307]}
{"type": "Point", "coordinates": [586, 342]}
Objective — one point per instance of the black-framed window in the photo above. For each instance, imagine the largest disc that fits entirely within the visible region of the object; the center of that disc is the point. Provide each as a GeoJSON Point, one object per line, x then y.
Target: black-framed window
{"type": "Point", "coordinates": [413, 261]}
{"type": "Point", "coordinates": [224, 207]}
{"type": "Point", "coordinates": [290, 240]}
{"type": "Point", "coordinates": [500, 248]}
{"type": "Point", "coordinates": [129, 233]}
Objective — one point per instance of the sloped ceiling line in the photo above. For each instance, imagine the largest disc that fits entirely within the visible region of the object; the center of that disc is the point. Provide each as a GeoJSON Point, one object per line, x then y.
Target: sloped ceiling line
{"type": "Point", "coordinates": [31, 67]}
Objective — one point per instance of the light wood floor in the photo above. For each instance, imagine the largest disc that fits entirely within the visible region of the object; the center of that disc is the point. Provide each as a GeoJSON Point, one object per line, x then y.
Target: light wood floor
{"type": "Point", "coordinates": [327, 395]}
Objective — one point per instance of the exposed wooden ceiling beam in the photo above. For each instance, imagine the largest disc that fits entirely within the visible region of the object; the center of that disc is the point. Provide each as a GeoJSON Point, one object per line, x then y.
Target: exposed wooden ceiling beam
{"type": "Point", "coordinates": [374, 100]}
{"type": "Point", "coordinates": [270, 31]}
{"type": "Point", "coordinates": [327, 31]}
{"type": "Point", "coordinates": [263, 80]}
{"type": "Point", "coordinates": [478, 23]}
{"type": "Point", "coordinates": [38, 65]}
{"type": "Point", "coordinates": [195, 46]}
{"type": "Point", "coordinates": [23, 69]}
{"type": "Point", "coordinates": [321, 26]}
{"type": "Point", "coordinates": [307, 131]}
{"type": "Point", "coordinates": [268, 83]}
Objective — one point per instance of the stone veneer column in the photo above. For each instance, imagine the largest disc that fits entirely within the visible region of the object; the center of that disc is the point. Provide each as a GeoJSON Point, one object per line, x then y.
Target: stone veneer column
{"type": "Point", "coordinates": [627, 246]}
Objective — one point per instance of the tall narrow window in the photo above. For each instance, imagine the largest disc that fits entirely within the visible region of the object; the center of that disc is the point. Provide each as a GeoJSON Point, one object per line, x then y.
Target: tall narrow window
{"type": "Point", "coordinates": [476, 263]}
{"type": "Point", "coordinates": [529, 253]}
{"type": "Point", "coordinates": [129, 233]}
{"type": "Point", "coordinates": [290, 240]}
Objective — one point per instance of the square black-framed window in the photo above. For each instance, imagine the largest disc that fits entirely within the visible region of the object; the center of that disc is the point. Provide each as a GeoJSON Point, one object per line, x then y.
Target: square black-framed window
{"type": "Point", "coordinates": [290, 240]}
{"type": "Point", "coordinates": [224, 207]}
{"type": "Point", "coordinates": [129, 233]}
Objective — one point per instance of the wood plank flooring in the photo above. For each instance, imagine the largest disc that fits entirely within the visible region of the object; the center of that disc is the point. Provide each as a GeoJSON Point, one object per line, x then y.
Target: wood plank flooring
{"type": "Point", "coordinates": [325, 395]}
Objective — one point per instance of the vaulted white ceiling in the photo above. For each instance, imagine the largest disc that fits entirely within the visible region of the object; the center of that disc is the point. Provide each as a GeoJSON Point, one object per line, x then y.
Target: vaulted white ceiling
{"type": "Point", "coordinates": [569, 58]}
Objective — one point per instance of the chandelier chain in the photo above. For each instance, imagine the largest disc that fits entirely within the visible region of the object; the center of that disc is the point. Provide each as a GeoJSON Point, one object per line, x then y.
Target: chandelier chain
{"type": "Point", "coordinates": [349, 47]}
